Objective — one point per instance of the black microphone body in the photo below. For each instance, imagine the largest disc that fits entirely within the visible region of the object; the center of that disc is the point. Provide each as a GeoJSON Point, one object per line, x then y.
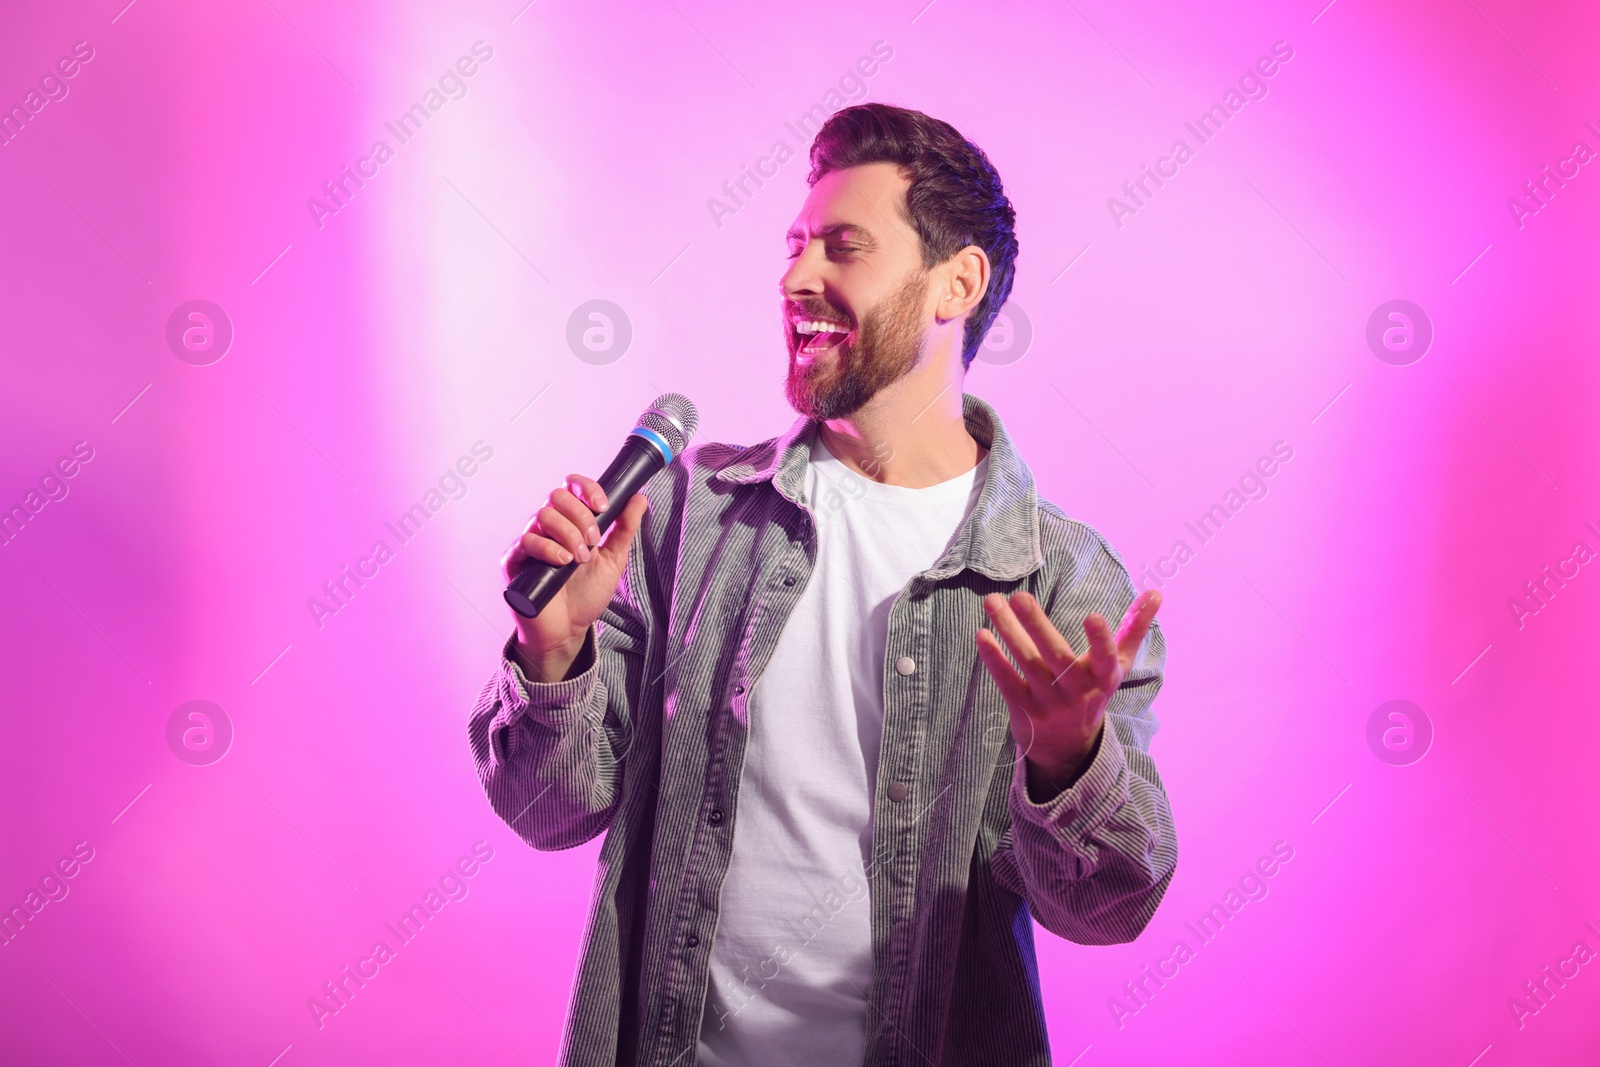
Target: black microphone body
{"type": "Point", "coordinates": [662, 432]}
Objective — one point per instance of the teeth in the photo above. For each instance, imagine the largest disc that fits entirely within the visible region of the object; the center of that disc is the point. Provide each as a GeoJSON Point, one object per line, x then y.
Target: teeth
{"type": "Point", "coordinates": [808, 326]}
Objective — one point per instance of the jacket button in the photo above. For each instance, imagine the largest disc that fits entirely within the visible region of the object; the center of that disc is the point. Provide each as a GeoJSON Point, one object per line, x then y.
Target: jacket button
{"type": "Point", "coordinates": [898, 791]}
{"type": "Point", "coordinates": [692, 940]}
{"type": "Point", "coordinates": [716, 815]}
{"type": "Point", "coordinates": [905, 665]}
{"type": "Point", "coordinates": [789, 580]}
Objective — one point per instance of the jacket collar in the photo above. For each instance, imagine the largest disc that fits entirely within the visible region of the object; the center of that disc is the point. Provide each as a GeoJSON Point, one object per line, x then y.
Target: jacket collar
{"type": "Point", "coordinates": [1001, 536]}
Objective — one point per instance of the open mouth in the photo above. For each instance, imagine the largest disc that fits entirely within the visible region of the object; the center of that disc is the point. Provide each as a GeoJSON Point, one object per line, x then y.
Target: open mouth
{"type": "Point", "coordinates": [817, 336]}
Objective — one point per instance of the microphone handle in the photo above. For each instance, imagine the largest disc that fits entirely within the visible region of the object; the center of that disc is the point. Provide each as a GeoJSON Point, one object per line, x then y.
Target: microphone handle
{"type": "Point", "coordinates": [537, 582]}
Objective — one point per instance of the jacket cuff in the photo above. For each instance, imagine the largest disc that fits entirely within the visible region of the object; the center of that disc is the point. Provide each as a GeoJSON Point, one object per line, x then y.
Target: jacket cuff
{"type": "Point", "coordinates": [553, 703]}
{"type": "Point", "coordinates": [1073, 815]}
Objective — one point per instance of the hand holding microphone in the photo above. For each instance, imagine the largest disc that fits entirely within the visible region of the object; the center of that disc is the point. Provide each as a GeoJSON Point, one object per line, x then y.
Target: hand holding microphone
{"type": "Point", "coordinates": [564, 569]}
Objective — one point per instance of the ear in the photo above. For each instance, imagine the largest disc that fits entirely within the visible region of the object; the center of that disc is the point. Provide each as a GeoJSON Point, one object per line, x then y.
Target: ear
{"type": "Point", "coordinates": [965, 280]}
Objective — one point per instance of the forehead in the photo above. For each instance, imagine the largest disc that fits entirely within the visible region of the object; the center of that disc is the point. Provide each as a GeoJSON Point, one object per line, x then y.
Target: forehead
{"type": "Point", "coordinates": [868, 198]}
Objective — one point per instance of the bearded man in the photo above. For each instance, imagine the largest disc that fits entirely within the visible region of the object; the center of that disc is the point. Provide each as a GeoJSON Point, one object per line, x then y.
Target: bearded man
{"type": "Point", "coordinates": [847, 703]}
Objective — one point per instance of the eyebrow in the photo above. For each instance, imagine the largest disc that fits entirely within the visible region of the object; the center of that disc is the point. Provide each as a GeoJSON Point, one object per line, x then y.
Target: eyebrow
{"type": "Point", "coordinates": [861, 234]}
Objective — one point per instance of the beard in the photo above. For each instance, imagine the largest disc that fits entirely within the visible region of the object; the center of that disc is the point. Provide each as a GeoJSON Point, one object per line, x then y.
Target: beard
{"type": "Point", "coordinates": [887, 346]}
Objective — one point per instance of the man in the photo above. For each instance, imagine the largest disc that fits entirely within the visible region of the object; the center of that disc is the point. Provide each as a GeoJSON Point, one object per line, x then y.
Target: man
{"type": "Point", "coordinates": [827, 826]}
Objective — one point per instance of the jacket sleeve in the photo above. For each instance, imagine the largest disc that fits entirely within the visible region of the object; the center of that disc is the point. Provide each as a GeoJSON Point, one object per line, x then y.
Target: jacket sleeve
{"type": "Point", "coordinates": [1094, 860]}
{"type": "Point", "coordinates": [551, 755]}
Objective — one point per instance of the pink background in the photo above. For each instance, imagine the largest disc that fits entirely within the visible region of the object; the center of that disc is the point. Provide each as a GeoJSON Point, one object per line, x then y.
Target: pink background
{"type": "Point", "coordinates": [1229, 313]}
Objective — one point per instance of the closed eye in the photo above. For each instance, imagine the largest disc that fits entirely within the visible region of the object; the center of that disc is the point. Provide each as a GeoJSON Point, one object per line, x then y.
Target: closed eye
{"type": "Point", "coordinates": [834, 251]}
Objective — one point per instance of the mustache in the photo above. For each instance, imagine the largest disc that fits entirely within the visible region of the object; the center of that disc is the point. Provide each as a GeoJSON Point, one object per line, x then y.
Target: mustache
{"type": "Point", "coordinates": [800, 309]}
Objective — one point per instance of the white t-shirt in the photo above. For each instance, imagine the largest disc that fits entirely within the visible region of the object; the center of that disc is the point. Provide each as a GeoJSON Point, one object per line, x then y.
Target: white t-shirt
{"type": "Point", "coordinates": [791, 963]}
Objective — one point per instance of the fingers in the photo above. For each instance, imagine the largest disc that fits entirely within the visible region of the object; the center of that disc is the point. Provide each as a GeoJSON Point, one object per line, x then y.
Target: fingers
{"type": "Point", "coordinates": [555, 536]}
{"type": "Point", "coordinates": [1023, 650]}
{"type": "Point", "coordinates": [532, 546]}
{"type": "Point", "coordinates": [1102, 654]}
{"type": "Point", "coordinates": [545, 549]}
{"type": "Point", "coordinates": [1039, 648]}
{"type": "Point", "coordinates": [1136, 623]}
{"type": "Point", "coordinates": [1013, 690]}
{"type": "Point", "coordinates": [564, 529]}
{"type": "Point", "coordinates": [550, 524]}
{"type": "Point", "coordinates": [1057, 653]}
{"type": "Point", "coordinates": [1012, 686]}
{"type": "Point", "coordinates": [569, 522]}
{"type": "Point", "coordinates": [578, 513]}
{"type": "Point", "coordinates": [588, 490]}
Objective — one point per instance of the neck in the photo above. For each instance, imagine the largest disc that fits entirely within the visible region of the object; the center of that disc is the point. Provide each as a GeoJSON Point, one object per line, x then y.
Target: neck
{"type": "Point", "coordinates": [911, 434]}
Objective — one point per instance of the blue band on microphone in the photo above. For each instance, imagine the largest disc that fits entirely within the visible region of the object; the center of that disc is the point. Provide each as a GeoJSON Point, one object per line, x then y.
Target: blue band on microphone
{"type": "Point", "coordinates": [655, 439]}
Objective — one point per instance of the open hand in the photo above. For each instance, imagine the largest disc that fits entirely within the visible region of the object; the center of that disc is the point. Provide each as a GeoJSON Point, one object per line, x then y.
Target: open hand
{"type": "Point", "coordinates": [1058, 700]}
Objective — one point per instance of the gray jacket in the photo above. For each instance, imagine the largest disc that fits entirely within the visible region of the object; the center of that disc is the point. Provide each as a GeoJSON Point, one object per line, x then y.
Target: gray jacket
{"type": "Point", "coordinates": [645, 744]}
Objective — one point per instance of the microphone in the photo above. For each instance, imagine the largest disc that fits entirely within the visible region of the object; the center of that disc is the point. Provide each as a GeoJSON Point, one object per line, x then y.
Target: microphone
{"type": "Point", "coordinates": [664, 430]}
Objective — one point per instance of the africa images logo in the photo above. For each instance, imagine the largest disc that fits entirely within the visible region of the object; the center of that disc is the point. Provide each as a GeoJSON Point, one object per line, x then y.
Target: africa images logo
{"type": "Point", "coordinates": [1252, 85]}
{"type": "Point", "coordinates": [52, 88]}
{"type": "Point", "coordinates": [452, 85]}
{"type": "Point", "coordinates": [199, 332]}
{"type": "Point", "coordinates": [851, 88]}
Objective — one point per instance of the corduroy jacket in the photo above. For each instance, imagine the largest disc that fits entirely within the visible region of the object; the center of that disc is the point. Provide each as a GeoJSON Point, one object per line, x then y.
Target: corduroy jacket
{"type": "Point", "coordinates": [645, 742]}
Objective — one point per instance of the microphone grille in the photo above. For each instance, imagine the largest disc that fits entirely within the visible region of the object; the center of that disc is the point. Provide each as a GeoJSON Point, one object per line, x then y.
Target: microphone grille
{"type": "Point", "coordinates": [673, 416]}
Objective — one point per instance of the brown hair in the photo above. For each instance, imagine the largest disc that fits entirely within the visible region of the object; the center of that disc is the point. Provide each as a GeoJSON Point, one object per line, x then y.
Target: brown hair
{"type": "Point", "coordinates": [955, 197]}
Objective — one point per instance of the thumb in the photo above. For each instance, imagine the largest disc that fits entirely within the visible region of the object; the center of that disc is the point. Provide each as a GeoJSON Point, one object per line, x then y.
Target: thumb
{"type": "Point", "coordinates": [614, 549]}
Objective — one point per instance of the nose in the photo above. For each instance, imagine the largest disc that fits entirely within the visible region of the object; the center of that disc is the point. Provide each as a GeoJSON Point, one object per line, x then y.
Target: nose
{"type": "Point", "coordinates": [802, 278]}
